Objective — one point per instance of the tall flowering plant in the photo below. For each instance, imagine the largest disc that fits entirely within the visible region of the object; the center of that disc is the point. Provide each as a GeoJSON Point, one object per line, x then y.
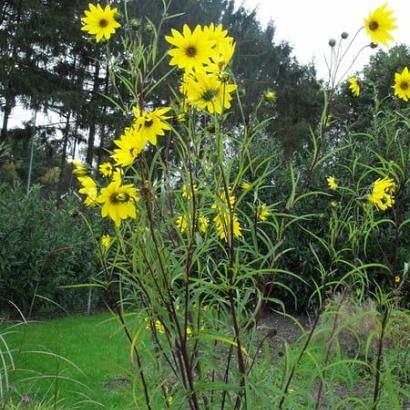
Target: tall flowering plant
{"type": "Point", "coordinates": [178, 250]}
{"type": "Point", "coordinates": [191, 240]}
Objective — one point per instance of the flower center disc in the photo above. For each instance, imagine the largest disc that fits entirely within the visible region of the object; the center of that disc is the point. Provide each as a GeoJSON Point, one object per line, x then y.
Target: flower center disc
{"type": "Point", "coordinates": [103, 23]}
{"type": "Point", "coordinates": [148, 122]}
{"type": "Point", "coordinates": [373, 25]}
{"type": "Point", "coordinates": [404, 85]}
{"type": "Point", "coordinates": [209, 95]}
{"type": "Point", "coordinates": [119, 197]}
{"type": "Point", "coordinates": [190, 51]}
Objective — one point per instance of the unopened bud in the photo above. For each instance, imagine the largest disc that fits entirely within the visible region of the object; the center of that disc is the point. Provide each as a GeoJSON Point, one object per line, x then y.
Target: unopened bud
{"type": "Point", "coordinates": [373, 45]}
{"type": "Point", "coordinates": [344, 35]}
{"type": "Point", "coordinates": [223, 76]}
{"type": "Point", "coordinates": [332, 42]}
{"type": "Point", "coordinates": [135, 24]}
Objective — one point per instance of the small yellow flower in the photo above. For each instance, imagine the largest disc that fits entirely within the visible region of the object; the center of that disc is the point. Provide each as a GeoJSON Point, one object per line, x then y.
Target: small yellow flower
{"type": "Point", "coordinates": [151, 124]}
{"type": "Point", "coordinates": [382, 193]}
{"type": "Point", "coordinates": [118, 201]}
{"type": "Point", "coordinates": [354, 86]}
{"type": "Point", "coordinates": [205, 91]}
{"type": "Point", "coordinates": [100, 22]}
{"type": "Point", "coordinates": [402, 84]}
{"type": "Point", "coordinates": [157, 324]}
{"type": "Point", "coordinates": [181, 118]}
{"type": "Point", "coordinates": [130, 145]}
{"type": "Point", "coordinates": [379, 24]}
{"type": "Point", "coordinates": [332, 183]}
{"type": "Point", "coordinates": [181, 223]}
{"type": "Point", "coordinates": [105, 241]}
{"type": "Point", "coordinates": [203, 222]}
{"type": "Point", "coordinates": [187, 191]}
{"type": "Point", "coordinates": [224, 48]}
{"type": "Point", "coordinates": [89, 188]}
{"type": "Point", "coordinates": [246, 186]}
{"type": "Point", "coordinates": [105, 169]}
{"type": "Point", "coordinates": [80, 169]}
{"type": "Point", "coordinates": [262, 212]}
{"type": "Point", "coordinates": [269, 96]}
{"type": "Point", "coordinates": [397, 279]}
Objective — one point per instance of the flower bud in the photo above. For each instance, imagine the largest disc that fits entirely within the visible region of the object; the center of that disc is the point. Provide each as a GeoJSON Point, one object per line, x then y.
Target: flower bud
{"type": "Point", "coordinates": [373, 45]}
{"type": "Point", "coordinates": [135, 24]}
{"type": "Point", "coordinates": [223, 76]}
{"type": "Point", "coordinates": [332, 42]}
{"type": "Point", "coordinates": [344, 35]}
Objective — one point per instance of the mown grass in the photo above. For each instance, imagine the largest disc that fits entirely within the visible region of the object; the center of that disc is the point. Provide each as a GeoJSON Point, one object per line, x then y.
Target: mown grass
{"type": "Point", "coordinates": [79, 362]}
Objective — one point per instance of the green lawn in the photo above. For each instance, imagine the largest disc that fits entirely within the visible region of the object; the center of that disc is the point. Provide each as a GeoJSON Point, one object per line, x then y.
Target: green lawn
{"type": "Point", "coordinates": [82, 362]}
{"type": "Point", "coordinates": [88, 353]}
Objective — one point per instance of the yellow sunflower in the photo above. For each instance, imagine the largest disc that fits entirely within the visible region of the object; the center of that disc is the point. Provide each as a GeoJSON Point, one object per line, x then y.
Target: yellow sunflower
{"type": "Point", "coordinates": [226, 217]}
{"type": "Point", "coordinates": [151, 124]}
{"type": "Point", "coordinates": [89, 188]}
{"type": "Point", "coordinates": [262, 212]}
{"type": "Point", "coordinates": [332, 183]}
{"type": "Point", "coordinates": [105, 241]}
{"type": "Point", "coordinates": [105, 169]}
{"type": "Point", "coordinates": [187, 191]}
{"type": "Point", "coordinates": [270, 96]}
{"type": "Point", "coordinates": [118, 201]}
{"type": "Point", "coordinates": [181, 223]}
{"type": "Point", "coordinates": [192, 48]}
{"type": "Point", "coordinates": [100, 22]}
{"type": "Point", "coordinates": [354, 86]}
{"type": "Point", "coordinates": [204, 91]}
{"type": "Point", "coordinates": [402, 84]}
{"type": "Point", "coordinates": [130, 145]}
{"type": "Point", "coordinates": [379, 24]}
{"type": "Point", "coordinates": [224, 48]}
{"type": "Point", "coordinates": [382, 193]}
{"type": "Point", "coordinates": [80, 169]}
{"type": "Point", "coordinates": [222, 225]}
{"type": "Point", "coordinates": [203, 222]}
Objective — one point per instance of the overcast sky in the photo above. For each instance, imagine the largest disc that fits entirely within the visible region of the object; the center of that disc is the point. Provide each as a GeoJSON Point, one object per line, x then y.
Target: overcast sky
{"type": "Point", "coordinates": [308, 25]}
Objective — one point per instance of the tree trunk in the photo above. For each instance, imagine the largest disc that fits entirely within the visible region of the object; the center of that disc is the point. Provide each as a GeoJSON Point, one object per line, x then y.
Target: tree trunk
{"type": "Point", "coordinates": [63, 158]}
{"type": "Point", "coordinates": [7, 111]}
{"type": "Point", "coordinates": [10, 96]}
{"type": "Point", "coordinates": [92, 117]}
{"type": "Point", "coordinates": [102, 127]}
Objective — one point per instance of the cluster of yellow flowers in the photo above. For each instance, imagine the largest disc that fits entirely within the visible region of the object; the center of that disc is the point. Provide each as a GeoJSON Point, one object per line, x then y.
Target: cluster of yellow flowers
{"type": "Point", "coordinates": [401, 85]}
{"type": "Point", "coordinates": [381, 195]}
{"type": "Point", "coordinates": [146, 127]}
{"type": "Point", "coordinates": [225, 218]}
{"type": "Point", "coordinates": [204, 54]}
{"type": "Point", "coordinates": [117, 199]}
{"type": "Point", "coordinates": [379, 25]}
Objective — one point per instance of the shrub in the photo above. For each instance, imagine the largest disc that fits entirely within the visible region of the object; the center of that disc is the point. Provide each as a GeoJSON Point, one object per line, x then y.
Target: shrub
{"type": "Point", "coordinates": [43, 248]}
